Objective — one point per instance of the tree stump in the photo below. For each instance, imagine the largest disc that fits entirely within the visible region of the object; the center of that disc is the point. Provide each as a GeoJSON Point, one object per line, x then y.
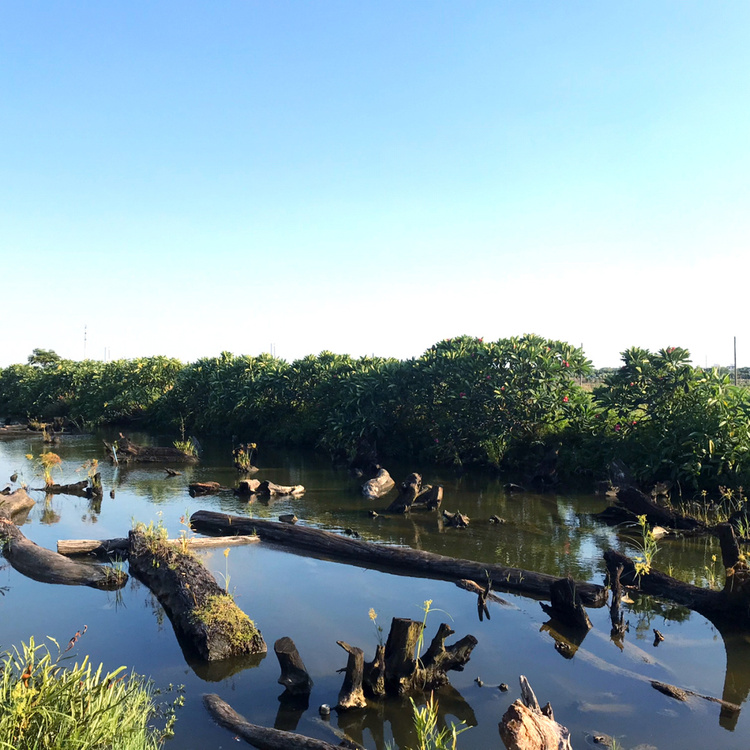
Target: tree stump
{"type": "Point", "coordinates": [566, 605]}
{"type": "Point", "coordinates": [408, 490]}
{"type": "Point", "coordinates": [294, 676]}
{"type": "Point", "coordinates": [352, 695]}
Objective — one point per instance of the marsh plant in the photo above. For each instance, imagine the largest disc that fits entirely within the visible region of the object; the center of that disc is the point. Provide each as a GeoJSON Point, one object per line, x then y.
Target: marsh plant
{"type": "Point", "coordinates": [647, 548]}
{"type": "Point", "coordinates": [48, 706]}
{"type": "Point", "coordinates": [44, 463]}
{"type": "Point", "coordinates": [429, 737]}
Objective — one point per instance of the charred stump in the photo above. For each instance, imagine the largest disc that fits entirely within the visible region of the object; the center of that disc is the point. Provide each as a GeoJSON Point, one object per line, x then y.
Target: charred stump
{"type": "Point", "coordinates": [566, 606]}
{"type": "Point", "coordinates": [203, 615]}
{"type": "Point", "coordinates": [351, 694]}
{"type": "Point", "coordinates": [294, 676]}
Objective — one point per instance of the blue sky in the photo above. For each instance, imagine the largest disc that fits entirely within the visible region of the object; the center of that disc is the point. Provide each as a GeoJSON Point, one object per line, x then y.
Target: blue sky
{"type": "Point", "coordinates": [186, 178]}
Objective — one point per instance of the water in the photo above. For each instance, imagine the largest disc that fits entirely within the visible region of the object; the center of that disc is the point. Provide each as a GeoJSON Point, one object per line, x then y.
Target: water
{"type": "Point", "coordinates": [600, 690]}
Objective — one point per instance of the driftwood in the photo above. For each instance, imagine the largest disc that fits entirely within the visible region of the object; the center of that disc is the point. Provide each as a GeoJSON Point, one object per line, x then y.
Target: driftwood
{"type": "Point", "coordinates": [269, 488]}
{"type": "Point", "coordinates": [247, 487]}
{"type": "Point", "coordinates": [430, 497]}
{"type": "Point", "coordinates": [399, 560]}
{"type": "Point", "coordinates": [264, 738]}
{"type": "Point", "coordinates": [381, 484]}
{"type": "Point", "coordinates": [119, 547]}
{"type": "Point", "coordinates": [683, 695]}
{"type": "Point", "coordinates": [408, 490]}
{"type": "Point", "coordinates": [566, 605]}
{"type": "Point", "coordinates": [351, 694]}
{"type": "Point", "coordinates": [84, 488]}
{"type": "Point", "coordinates": [457, 519]}
{"type": "Point", "coordinates": [526, 726]}
{"type": "Point", "coordinates": [127, 452]}
{"type": "Point", "coordinates": [204, 617]}
{"type": "Point", "coordinates": [47, 566]}
{"type": "Point", "coordinates": [294, 676]}
{"type": "Point", "coordinates": [15, 502]}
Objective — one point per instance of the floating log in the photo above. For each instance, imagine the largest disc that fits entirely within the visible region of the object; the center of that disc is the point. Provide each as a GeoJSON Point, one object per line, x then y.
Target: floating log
{"type": "Point", "coordinates": [262, 737]}
{"type": "Point", "coordinates": [381, 484]}
{"type": "Point", "coordinates": [681, 694]}
{"type": "Point", "coordinates": [566, 605]}
{"type": "Point", "coordinates": [15, 502]}
{"type": "Point", "coordinates": [119, 547]}
{"type": "Point", "coordinates": [408, 490]}
{"type": "Point", "coordinates": [80, 489]}
{"type": "Point", "coordinates": [269, 488]}
{"type": "Point", "coordinates": [198, 489]}
{"type": "Point", "coordinates": [399, 560]}
{"type": "Point", "coordinates": [173, 473]}
{"type": "Point", "coordinates": [47, 566]}
{"type": "Point", "coordinates": [294, 676]}
{"type": "Point", "coordinates": [457, 519]}
{"type": "Point", "coordinates": [203, 615]}
{"type": "Point", "coordinates": [129, 452]}
{"type": "Point", "coordinates": [526, 726]}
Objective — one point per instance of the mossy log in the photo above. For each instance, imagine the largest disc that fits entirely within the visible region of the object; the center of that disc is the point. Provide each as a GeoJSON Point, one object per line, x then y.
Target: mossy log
{"type": "Point", "coordinates": [204, 617]}
{"type": "Point", "coordinates": [381, 484]}
{"type": "Point", "coordinates": [15, 502]}
{"type": "Point", "coordinates": [398, 560]}
{"type": "Point", "coordinates": [526, 726]}
{"type": "Point", "coordinates": [265, 738]}
{"type": "Point", "coordinates": [129, 452]}
{"type": "Point", "coordinates": [47, 566]}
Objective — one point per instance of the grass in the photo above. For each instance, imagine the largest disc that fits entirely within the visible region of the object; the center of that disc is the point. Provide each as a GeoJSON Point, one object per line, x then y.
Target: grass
{"type": "Point", "coordinates": [221, 611]}
{"type": "Point", "coordinates": [429, 737]}
{"type": "Point", "coordinates": [45, 706]}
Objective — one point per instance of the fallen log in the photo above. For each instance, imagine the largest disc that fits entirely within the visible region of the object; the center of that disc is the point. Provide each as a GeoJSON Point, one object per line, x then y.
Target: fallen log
{"type": "Point", "coordinates": [84, 488]}
{"type": "Point", "coordinates": [47, 566]}
{"type": "Point", "coordinates": [457, 519]}
{"type": "Point", "coordinates": [198, 489]}
{"type": "Point", "coordinates": [204, 617]}
{"type": "Point", "coordinates": [126, 451]}
{"type": "Point", "coordinates": [429, 498]}
{"type": "Point", "coordinates": [119, 547]}
{"type": "Point", "coordinates": [381, 484]}
{"type": "Point", "coordinates": [408, 490]}
{"type": "Point", "coordinates": [247, 487]}
{"type": "Point", "coordinates": [526, 726]}
{"type": "Point", "coordinates": [638, 503]}
{"type": "Point", "coordinates": [680, 694]}
{"type": "Point", "coordinates": [269, 488]}
{"type": "Point", "coordinates": [399, 560]}
{"type": "Point", "coordinates": [264, 738]}
{"type": "Point", "coordinates": [15, 502]}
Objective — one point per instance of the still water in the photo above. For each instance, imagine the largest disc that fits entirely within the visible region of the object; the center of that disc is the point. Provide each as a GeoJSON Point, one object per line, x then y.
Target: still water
{"type": "Point", "coordinates": [601, 690]}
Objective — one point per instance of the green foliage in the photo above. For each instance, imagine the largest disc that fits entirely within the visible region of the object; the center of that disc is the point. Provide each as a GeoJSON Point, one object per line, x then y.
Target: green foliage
{"type": "Point", "coordinates": [647, 548]}
{"type": "Point", "coordinates": [46, 706]}
{"type": "Point", "coordinates": [429, 737]}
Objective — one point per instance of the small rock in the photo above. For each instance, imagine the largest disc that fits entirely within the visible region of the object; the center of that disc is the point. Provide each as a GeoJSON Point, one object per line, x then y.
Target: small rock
{"type": "Point", "coordinates": [479, 681]}
{"type": "Point", "coordinates": [324, 710]}
{"type": "Point", "coordinates": [374, 514]}
{"type": "Point", "coordinates": [503, 687]}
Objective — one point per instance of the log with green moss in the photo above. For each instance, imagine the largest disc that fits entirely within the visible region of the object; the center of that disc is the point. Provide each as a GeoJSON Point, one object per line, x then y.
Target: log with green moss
{"type": "Point", "coordinates": [205, 618]}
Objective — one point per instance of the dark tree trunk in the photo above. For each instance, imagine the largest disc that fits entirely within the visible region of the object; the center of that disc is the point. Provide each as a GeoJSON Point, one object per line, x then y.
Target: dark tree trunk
{"type": "Point", "coordinates": [294, 676]}
{"type": "Point", "coordinates": [399, 560]}
{"type": "Point", "coordinates": [566, 605]}
{"type": "Point", "coordinates": [408, 490]}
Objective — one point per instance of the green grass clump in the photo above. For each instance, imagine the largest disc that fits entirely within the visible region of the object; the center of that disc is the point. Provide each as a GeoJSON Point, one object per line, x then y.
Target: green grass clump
{"type": "Point", "coordinates": [221, 612]}
{"type": "Point", "coordinates": [45, 706]}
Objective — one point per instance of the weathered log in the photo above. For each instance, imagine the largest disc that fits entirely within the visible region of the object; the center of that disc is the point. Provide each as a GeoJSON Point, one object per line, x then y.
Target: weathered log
{"type": "Point", "coordinates": [430, 497]}
{"type": "Point", "coordinates": [525, 726]}
{"type": "Point", "coordinates": [198, 489]}
{"type": "Point", "coordinates": [119, 547]}
{"type": "Point", "coordinates": [269, 488]}
{"type": "Point", "coordinates": [566, 605]}
{"type": "Point", "coordinates": [204, 617]}
{"type": "Point", "coordinates": [399, 560]}
{"type": "Point", "coordinates": [728, 605]}
{"type": "Point", "coordinates": [681, 694]}
{"type": "Point", "coordinates": [47, 566]}
{"type": "Point", "coordinates": [15, 502]}
{"type": "Point", "coordinates": [264, 738]}
{"type": "Point", "coordinates": [247, 487]}
{"type": "Point", "coordinates": [351, 694]}
{"type": "Point", "coordinates": [638, 503]}
{"type": "Point", "coordinates": [408, 490]}
{"type": "Point", "coordinates": [294, 676]}
{"type": "Point", "coordinates": [173, 473]}
{"type": "Point", "coordinates": [79, 489]}
{"type": "Point", "coordinates": [381, 484]}
{"type": "Point", "coordinates": [457, 519]}
{"type": "Point", "coordinates": [129, 452]}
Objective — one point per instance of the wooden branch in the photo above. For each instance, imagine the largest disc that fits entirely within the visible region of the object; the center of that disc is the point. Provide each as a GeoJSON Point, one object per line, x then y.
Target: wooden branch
{"type": "Point", "coordinates": [49, 567]}
{"type": "Point", "coordinates": [264, 738]}
{"type": "Point", "coordinates": [398, 560]}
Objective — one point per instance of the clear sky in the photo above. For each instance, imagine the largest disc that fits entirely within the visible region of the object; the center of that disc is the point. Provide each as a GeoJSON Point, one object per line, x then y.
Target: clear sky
{"type": "Point", "coordinates": [183, 178]}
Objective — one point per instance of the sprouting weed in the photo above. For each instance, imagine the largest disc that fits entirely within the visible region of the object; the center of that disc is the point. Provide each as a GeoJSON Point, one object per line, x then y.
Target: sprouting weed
{"type": "Point", "coordinates": [647, 546]}
{"type": "Point", "coordinates": [378, 629]}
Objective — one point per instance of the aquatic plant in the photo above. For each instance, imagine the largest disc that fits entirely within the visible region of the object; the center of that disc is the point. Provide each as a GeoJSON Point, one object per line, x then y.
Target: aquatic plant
{"type": "Point", "coordinates": [647, 548]}
{"type": "Point", "coordinates": [429, 737]}
{"type": "Point", "coordinates": [45, 462]}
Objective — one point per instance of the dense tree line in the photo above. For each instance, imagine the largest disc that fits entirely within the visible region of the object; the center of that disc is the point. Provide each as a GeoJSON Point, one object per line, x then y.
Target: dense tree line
{"type": "Point", "coordinates": [507, 404]}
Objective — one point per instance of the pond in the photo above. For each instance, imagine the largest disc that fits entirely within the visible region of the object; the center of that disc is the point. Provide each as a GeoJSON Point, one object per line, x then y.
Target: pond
{"type": "Point", "coordinates": [599, 690]}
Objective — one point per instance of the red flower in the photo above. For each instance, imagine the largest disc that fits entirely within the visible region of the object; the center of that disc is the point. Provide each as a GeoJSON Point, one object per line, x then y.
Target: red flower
{"type": "Point", "coordinates": [462, 394]}
{"type": "Point", "coordinates": [565, 399]}
{"type": "Point", "coordinates": [617, 428]}
{"type": "Point", "coordinates": [489, 376]}
{"type": "Point", "coordinates": [566, 363]}
{"type": "Point", "coordinates": [635, 422]}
